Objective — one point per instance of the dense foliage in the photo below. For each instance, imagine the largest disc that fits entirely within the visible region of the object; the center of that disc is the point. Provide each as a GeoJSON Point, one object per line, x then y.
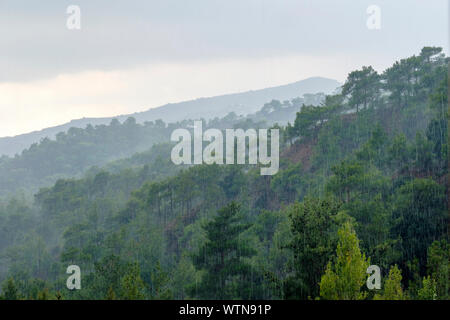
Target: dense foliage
{"type": "Point", "coordinates": [363, 180]}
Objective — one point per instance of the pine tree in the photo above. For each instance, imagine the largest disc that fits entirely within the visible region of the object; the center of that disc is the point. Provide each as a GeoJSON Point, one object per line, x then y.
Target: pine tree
{"type": "Point", "coordinates": [160, 280]}
{"type": "Point", "coordinates": [428, 290]}
{"type": "Point", "coordinates": [438, 267]}
{"type": "Point", "coordinates": [226, 273]}
{"type": "Point", "coordinates": [10, 291]}
{"type": "Point", "coordinates": [393, 286]}
{"type": "Point", "coordinates": [344, 278]}
{"type": "Point", "coordinates": [43, 294]}
{"type": "Point", "coordinates": [132, 286]}
{"type": "Point", "coordinates": [111, 295]}
{"type": "Point", "coordinates": [313, 242]}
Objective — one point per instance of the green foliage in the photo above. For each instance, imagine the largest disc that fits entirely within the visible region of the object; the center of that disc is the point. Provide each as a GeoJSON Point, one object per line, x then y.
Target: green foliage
{"type": "Point", "coordinates": [287, 185]}
{"type": "Point", "coordinates": [352, 179]}
{"type": "Point", "coordinates": [438, 268]}
{"type": "Point", "coordinates": [139, 227]}
{"type": "Point", "coordinates": [10, 291]}
{"type": "Point", "coordinates": [222, 258]}
{"type": "Point", "coordinates": [159, 281]}
{"type": "Point", "coordinates": [392, 286]}
{"type": "Point", "coordinates": [362, 86]}
{"type": "Point", "coordinates": [76, 150]}
{"type": "Point", "coordinates": [345, 276]}
{"type": "Point", "coordinates": [428, 290]}
{"type": "Point", "coordinates": [308, 120]}
{"type": "Point", "coordinates": [312, 223]}
{"type": "Point", "coordinates": [131, 285]}
{"type": "Point", "coordinates": [420, 214]}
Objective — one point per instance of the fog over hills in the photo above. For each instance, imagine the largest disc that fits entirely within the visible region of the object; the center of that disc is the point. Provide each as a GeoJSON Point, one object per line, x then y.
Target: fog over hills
{"type": "Point", "coordinates": [207, 108]}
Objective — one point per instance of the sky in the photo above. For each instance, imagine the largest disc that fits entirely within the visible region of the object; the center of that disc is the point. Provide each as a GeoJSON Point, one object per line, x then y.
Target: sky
{"type": "Point", "coordinates": [129, 56]}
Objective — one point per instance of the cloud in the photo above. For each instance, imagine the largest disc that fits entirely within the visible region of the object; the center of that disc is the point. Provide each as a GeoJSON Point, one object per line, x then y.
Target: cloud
{"type": "Point", "coordinates": [133, 55]}
{"type": "Point", "coordinates": [27, 106]}
{"type": "Point", "coordinates": [123, 34]}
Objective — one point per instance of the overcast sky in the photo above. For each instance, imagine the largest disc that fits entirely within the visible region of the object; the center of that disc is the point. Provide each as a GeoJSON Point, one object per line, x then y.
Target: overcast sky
{"type": "Point", "coordinates": [131, 55]}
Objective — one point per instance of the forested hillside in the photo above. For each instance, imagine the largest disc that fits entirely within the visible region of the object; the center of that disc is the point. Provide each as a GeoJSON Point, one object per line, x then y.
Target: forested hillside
{"type": "Point", "coordinates": [73, 152]}
{"type": "Point", "coordinates": [363, 180]}
{"type": "Point", "coordinates": [243, 103]}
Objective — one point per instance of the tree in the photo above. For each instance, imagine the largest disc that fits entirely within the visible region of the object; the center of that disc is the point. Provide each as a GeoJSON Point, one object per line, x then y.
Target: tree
{"type": "Point", "coordinates": [43, 295]}
{"type": "Point", "coordinates": [107, 277]}
{"type": "Point", "coordinates": [132, 286]}
{"type": "Point", "coordinates": [437, 129]}
{"type": "Point", "coordinates": [373, 151]}
{"type": "Point", "coordinates": [362, 86]}
{"type": "Point", "coordinates": [308, 119]}
{"type": "Point", "coordinates": [160, 279]}
{"type": "Point", "coordinates": [352, 179]}
{"type": "Point", "coordinates": [289, 133]}
{"type": "Point", "coordinates": [438, 267]}
{"type": "Point", "coordinates": [312, 224]}
{"type": "Point", "coordinates": [344, 278]}
{"type": "Point", "coordinates": [222, 258]}
{"type": "Point", "coordinates": [421, 217]}
{"type": "Point", "coordinates": [10, 290]}
{"type": "Point", "coordinates": [287, 182]}
{"type": "Point", "coordinates": [399, 154]}
{"type": "Point", "coordinates": [111, 295]}
{"type": "Point", "coordinates": [428, 290]}
{"type": "Point", "coordinates": [392, 286]}
{"type": "Point", "coordinates": [398, 81]}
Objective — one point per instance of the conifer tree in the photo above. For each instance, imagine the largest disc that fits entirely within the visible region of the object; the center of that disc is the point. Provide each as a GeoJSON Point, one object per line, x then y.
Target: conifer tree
{"type": "Point", "coordinates": [222, 258]}
{"type": "Point", "coordinates": [132, 286]}
{"type": "Point", "coordinates": [10, 290]}
{"type": "Point", "coordinates": [393, 286]}
{"type": "Point", "coordinates": [428, 290]}
{"type": "Point", "coordinates": [344, 278]}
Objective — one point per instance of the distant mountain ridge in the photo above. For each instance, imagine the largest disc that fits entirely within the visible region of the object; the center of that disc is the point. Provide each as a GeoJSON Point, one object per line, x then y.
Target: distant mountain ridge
{"type": "Point", "coordinates": [207, 108]}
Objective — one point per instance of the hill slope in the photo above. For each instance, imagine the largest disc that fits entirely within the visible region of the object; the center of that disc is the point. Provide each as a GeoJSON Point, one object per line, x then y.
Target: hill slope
{"type": "Point", "coordinates": [357, 184]}
{"type": "Point", "coordinates": [219, 106]}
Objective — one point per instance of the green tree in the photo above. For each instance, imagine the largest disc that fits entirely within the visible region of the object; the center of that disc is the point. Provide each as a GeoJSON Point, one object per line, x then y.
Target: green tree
{"type": "Point", "coordinates": [438, 267]}
{"type": "Point", "coordinates": [421, 217]}
{"type": "Point", "coordinates": [362, 87]}
{"type": "Point", "coordinates": [44, 294]}
{"type": "Point", "coordinates": [111, 295]}
{"type": "Point", "coordinates": [287, 182]}
{"type": "Point", "coordinates": [10, 290]}
{"type": "Point", "coordinates": [107, 276]}
{"type": "Point", "coordinates": [399, 154]}
{"type": "Point", "coordinates": [373, 151]}
{"type": "Point", "coordinates": [222, 258]}
{"type": "Point", "coordinates": [308, 120]}
{"type": "Point", "coordinates": [392, 286]}
{"type": "Point", "coordinates": [313, 222]}
{"type": "Point", "coordinates": [428, 290]}
{"type": "Point", "coordinates": [160, 280]}
{"type": "Point", "coordinates": [344, 278]}
{"type": "Point", "coordinates": [353, 179]}
{"type": "Point", "coordinates": [132, 286]}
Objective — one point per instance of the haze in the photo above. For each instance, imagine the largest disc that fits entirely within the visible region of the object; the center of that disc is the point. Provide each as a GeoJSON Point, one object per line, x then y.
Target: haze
{"type": "Point", "coordinates": [134, 55]}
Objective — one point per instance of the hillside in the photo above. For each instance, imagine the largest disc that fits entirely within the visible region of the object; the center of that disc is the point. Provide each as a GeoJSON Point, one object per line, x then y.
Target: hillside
{"type": "Point", "coordinates": [71, 153]}
{"type": "Point", "coordinates": [363, 180]}
{"type": "Point", "coordinates": [206, 108]}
